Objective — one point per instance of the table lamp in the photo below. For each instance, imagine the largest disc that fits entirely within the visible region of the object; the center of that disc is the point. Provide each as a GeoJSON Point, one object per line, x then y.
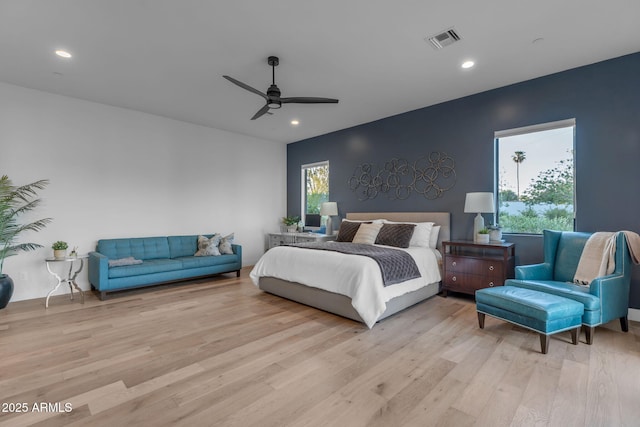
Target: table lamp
{"type": "Point", "coordinates": [478, 202]}
{"type": "Point", "coordinates": [329, 209]}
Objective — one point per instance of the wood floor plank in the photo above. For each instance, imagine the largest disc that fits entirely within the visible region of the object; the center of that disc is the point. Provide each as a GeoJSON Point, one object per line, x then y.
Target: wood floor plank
{"type": "Point", "coordinates": [220, 352]}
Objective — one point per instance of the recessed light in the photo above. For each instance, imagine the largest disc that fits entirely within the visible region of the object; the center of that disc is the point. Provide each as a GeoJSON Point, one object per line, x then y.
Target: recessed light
{"type": "Point", "coordinates": [63, 54]}
{"type": "Point", "coordinates": [468, 64]}
{"type": "Point", "coordinates": [295, 122]}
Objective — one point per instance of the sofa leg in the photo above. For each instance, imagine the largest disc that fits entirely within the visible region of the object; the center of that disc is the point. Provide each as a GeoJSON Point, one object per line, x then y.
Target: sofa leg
{"type": "Point", "coordinates": [103, 296]}
{"type": "Point", "coordinates": [624, 324]}
{"type": "Point", "coordinates": [481, 320]}
{"type": "Point", "coordinates": [544, 343]}
{"type": "Point", "coordinates": [588, 333]}
{"type": "Point", "coordinates": [237, 273]}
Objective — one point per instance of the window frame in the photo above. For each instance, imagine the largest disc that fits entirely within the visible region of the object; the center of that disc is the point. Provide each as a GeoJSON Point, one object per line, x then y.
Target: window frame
{"type": "Point", "coordinates": [541, 127]}
{"type": "Point", "coordinates": [303, 186]}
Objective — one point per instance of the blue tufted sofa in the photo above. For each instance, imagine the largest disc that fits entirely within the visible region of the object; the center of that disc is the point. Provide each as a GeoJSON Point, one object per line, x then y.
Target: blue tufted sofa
{"type": "Point", "coordinates": [605, 299]}
{"type": "Point", "coordinates": [164, 259]}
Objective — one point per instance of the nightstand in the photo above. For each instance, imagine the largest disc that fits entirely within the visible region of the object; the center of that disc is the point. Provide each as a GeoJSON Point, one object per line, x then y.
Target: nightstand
{"type": "Point", "coordinates": [470, 266]}
{"type": "Point", "coordinates": [278, 239]}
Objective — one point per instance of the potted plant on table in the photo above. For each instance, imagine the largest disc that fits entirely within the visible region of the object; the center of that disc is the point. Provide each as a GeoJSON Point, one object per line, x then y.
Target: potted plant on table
{"type": "Point", "coordinates": [483, 236]}
{"type": "Point", "coordinates": [291, 222]}
{"type": "Point", "coordinates": [15, 201]}
{"type": "Point", "coordinates": [59, 249]}
{"type": "Point", "coordinates": [495, 233]}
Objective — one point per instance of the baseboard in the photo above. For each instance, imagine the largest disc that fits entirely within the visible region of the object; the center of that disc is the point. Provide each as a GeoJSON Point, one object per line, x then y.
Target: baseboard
{"type": "Point", "coordinates": [634, 314]}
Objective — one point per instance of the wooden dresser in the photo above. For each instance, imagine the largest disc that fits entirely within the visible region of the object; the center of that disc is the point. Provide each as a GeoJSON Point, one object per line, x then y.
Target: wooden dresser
{"type": "Point", "coordinates": [470, 266]}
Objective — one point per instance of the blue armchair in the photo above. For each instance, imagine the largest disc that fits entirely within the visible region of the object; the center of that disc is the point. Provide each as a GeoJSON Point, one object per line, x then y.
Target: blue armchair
{"type": "Point", "coordinates": [605, 299]}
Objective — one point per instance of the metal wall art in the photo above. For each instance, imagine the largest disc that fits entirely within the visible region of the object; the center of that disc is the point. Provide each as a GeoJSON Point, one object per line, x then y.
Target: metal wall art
{"type": "Point", "coordinates": [429, 176]}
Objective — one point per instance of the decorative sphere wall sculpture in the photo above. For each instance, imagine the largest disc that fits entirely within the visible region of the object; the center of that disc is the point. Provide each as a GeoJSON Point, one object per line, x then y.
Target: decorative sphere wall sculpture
{"type": "Point", "coordinates": [429, 176]}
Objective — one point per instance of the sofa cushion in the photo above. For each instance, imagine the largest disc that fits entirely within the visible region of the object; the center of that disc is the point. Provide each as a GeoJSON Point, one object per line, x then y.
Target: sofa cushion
{"type": "Point", "coordinates": [567, 290]}
{"type": "Point", "coordinates": [182, 245]}
{"type": "Point", "coordinates": [206, 261]}
{"type": "Point", "coordinates": [140, 248]}
{"type": "Point", "coordinates": [147, 267]}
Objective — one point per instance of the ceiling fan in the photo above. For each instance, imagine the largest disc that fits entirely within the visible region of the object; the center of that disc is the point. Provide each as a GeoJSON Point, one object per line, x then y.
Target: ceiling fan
{"type": "Point", "coordinates": [274, 101]}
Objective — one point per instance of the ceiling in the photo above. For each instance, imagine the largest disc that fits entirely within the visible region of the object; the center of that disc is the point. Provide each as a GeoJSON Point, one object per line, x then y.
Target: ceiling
{"type": "Point", "coordinates": [167, 57]}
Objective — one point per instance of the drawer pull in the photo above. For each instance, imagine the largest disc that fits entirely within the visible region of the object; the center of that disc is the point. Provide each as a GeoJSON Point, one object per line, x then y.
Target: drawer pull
{"type": "Point", "coordinates": [454, 263]}
{"type": "Point", "coordinates": [491, 284]}
{"type": "Point", "coordinates": [454, 278]}
{"type": "Point", "coordinates": [491, 268]}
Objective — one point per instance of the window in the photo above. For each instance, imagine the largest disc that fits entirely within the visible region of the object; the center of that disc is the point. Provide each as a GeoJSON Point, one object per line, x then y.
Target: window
{"type": "Point", "coordinates": [315, 189]}
{"type": "Point", "coordinates": [535, 178]}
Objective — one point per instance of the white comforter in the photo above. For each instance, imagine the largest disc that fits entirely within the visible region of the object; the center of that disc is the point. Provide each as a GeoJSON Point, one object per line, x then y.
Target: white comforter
{"type": "Point", "coordinates": [355, 276]}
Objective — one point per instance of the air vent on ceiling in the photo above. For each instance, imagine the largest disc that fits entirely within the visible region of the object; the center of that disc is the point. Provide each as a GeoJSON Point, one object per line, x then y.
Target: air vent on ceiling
{"type": "Point", "coordinates": [443, 39]}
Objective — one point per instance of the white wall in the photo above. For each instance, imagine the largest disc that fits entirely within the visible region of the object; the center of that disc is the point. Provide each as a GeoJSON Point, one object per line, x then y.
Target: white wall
{"type": "Point", "coordinates": [120, 173]}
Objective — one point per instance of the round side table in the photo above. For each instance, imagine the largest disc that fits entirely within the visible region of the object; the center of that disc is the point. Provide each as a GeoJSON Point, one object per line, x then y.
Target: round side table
{"type": "Point", "coordinates": [70, 278]}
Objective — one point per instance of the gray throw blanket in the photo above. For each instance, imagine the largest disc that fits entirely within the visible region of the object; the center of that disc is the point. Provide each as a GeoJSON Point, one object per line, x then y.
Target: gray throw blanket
{"type": "Point", "coordinates": [395, 265]}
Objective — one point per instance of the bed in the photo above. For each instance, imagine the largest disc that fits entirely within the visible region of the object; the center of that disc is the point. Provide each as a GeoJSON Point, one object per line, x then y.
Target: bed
{"type": "Point", "coordinates": [350, 287]}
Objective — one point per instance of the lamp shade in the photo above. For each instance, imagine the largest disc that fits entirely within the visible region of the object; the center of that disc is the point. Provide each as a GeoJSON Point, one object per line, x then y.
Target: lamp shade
{"type": "Point", "coordinates": [329, 209]}
{"type": "Point", "coordinates": [479, 202]}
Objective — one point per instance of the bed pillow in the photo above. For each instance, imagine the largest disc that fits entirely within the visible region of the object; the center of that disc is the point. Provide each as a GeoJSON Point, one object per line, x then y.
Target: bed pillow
{"type": "Point", "coordinates": [348, 230]}
{"type": "Point", "coordinates": [208, 246]}
{"type": "Point", "coordinates": [225, 245]}
{"type": "Point", "coordinates": [398, 235]}
{"type": "Point", "coordinates": [367, 233]}
{"type": "Point", "coordinates": [421, 234]}
{"type": "Point", "coordinates": [433, 237]}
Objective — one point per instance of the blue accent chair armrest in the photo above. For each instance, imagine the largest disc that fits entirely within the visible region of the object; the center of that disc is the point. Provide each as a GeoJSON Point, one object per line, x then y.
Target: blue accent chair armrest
{"type": "Point", "coordinates": [543, 271]}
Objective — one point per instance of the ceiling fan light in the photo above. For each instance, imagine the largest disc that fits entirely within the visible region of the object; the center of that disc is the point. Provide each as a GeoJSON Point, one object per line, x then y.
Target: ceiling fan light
{"type": "Point", "coordinates": [274, 104]}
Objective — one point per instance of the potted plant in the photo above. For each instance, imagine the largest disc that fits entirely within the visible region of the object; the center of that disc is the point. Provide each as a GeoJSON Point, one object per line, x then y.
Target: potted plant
{"type": "Point", "coordinates": [291, 222]}
{"type": "Point", "coordinates": [15, 201]}
{"type": "Point", "coordinates": [483, 236]}
{"type": "Point", "coordinates": [60, 249]}
{"type": "Point", "coordinates": [495, 233]}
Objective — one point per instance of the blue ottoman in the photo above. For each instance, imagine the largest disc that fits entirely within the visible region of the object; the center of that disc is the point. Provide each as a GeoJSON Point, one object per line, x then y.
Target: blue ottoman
{"type": "Point", "coordinates": [544, 313]}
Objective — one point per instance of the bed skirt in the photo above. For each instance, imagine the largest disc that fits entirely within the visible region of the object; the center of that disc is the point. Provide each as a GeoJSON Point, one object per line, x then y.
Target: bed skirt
{"type": "Point", "coordinates": [341, 304]}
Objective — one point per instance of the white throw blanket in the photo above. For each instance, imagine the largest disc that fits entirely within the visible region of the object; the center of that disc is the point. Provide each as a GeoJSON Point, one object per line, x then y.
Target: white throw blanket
{"type": "Point", "coordinates": [599, 255]}
{"type": "Point", "coordinates": [597, 259]}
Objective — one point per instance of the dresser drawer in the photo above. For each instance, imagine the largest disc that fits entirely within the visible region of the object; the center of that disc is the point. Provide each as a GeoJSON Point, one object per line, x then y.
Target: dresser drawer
{"type": "Point", "coordinates": [482, 267]}
{"type": "Point", "coordinates": [469, 283]}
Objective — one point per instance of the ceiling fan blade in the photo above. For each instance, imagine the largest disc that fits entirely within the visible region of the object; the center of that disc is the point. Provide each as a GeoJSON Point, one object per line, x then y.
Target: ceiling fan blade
{"type": "Point", "coordinates": [260, 112]}
{"type": "Point", "coordinates": [308, 100]}
{"type": "Point", "coordinates": [247, 87]}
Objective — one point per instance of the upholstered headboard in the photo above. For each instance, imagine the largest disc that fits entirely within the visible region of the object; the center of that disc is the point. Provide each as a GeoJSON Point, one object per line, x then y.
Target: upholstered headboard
{"type": "Point", "coordinates": [443, 219]}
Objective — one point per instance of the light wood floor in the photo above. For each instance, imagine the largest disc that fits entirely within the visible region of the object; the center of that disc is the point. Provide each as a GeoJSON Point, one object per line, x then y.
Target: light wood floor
{"type": "Point", "coordinates": [222, 353]}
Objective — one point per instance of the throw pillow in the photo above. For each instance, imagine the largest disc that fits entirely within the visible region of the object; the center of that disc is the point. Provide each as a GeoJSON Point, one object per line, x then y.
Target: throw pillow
{"type": "Point", "coordinates": [208, 246]}
{"type": "Point", "coordinates": [367, 233]}
{"type": "Point", "coordinates": [421, 234]}
{"type": "Point", "coordinates": [225, 244]}
{"type": "Point", "coordinates": [398, 235]}
{"type": "Point", "coordinates": [348, 230]}
{"type": "Point", "coordinates": [124, 261]}
{"type": "Point", "coordinates": [433, 237]}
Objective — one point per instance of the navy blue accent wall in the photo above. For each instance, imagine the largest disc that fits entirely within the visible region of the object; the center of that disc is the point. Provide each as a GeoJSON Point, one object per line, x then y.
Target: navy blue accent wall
{"type": "Point", "coordinates": [604, 98]}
